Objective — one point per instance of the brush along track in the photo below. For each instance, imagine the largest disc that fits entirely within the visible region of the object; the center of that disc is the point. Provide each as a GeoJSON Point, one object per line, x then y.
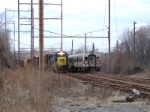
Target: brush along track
{"type": "Point", "coordinates": [115, 82]}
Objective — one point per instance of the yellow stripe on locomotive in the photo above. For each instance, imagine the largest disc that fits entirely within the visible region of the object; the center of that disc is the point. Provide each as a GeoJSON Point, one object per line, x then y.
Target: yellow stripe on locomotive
{"type": "Point", "coordinates": [61, 61]}
{"type": "Point", "coordinates": [25, 63]}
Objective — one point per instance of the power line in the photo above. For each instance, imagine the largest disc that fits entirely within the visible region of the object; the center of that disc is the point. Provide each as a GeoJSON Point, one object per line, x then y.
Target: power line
{"type": "Point", "coordinates": [91, 32]}
{"type": "Point", "coordinates": [77, 17]}
{"type": "Point", "coordinates": [74, 14]}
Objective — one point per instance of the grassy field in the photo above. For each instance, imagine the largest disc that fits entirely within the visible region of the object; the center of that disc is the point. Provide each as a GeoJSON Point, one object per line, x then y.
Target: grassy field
{"type": "Point", "coordinates": [28, 90]}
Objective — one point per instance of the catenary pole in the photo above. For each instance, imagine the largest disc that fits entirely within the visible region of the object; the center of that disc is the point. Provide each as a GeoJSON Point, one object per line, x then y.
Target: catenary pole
{"type": "Point", "coordinates": [85, 43]}
{"type": "Point", "coordinates": [109, 35]}
{"type": "Point", "coordinates": [41, 36]}
{"type": "Point", "coordinates": [134, 39]}
{"type": "Point", "coordinates": [61, 25]}
{"type": "Point", "coordinates": [19, 31]}
{"type": "Point", "coordinates": [32, 30]}
{"type": "Point", "coordinates": [72, 48]}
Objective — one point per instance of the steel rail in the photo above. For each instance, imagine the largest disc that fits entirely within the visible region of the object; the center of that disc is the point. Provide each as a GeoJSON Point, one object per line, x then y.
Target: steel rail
{"type": "Point", "coordinates": [109, 82]}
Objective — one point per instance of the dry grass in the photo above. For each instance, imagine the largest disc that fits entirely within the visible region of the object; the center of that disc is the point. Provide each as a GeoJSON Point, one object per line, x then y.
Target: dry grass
{"type": "Point", "coordinates": [144, 74]}
{"type": "Point", "coordinates": [116, 96]}
{"type": "Point", "coordinates": [27, 89]}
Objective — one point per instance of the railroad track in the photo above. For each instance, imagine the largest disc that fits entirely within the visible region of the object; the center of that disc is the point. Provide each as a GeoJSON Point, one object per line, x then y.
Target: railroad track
{"type": "Point", "coordinates": [123, 83]}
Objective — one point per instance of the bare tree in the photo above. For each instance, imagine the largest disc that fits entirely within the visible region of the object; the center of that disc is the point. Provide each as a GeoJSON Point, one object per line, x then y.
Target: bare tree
{"type": "Point", "coordinates": [81, 49]}
{"type": "Point", "coordinates": [5, 43]}
{"type": "Point", "coordinates": [125, 49]}
{"type": "Point", "coordinates": [127, 39]}
{"type": "Point", "coordinates": [143, 45]}
{"type": "Point", "coordinates": [2, 23]}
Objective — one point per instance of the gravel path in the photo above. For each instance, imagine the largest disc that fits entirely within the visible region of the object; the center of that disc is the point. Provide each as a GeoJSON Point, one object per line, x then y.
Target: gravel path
{"type": "Point", "coordinates": [110, 107]}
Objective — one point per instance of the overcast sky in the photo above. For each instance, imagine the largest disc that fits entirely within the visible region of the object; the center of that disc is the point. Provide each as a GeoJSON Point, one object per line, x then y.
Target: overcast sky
{"type": "Point", "coordinates": [80, 17]}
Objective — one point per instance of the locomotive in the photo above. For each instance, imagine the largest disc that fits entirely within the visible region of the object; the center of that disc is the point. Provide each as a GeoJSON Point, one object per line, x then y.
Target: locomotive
{"type": "Point", "coordinates": [85, 62]}
{"type": "Point", "coordinates": [58, 61]}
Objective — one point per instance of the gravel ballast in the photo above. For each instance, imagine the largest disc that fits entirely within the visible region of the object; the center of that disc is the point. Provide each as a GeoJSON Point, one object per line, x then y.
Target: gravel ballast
{"type": "Point", "coordinates": [109, 107]}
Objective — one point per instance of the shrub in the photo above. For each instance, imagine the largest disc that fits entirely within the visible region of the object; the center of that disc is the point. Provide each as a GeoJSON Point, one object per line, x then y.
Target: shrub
{"type": "Point", "coordinates": [137, 69]}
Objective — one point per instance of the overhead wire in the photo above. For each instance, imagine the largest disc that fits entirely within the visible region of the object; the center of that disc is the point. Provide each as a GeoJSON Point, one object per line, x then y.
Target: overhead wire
{"type": "Point", "coordinates": [8, 19]}
{"type": "Point", "coordinates": [22, 22]}
{"type": "Point", "coordinates": [77, 18]}
{"type": "Point", "coordinates": [74, 36]}
{"type": "Point", "coordinates": [104, 14]}
{"type": "Point", "coordinates": [26, 29]}
{"type": "Point", "coordinates": [76, 15]}
{"type": "Point", "coordinates": [91, 32]}
{"type": "Point", "coordinates": [51, 32]}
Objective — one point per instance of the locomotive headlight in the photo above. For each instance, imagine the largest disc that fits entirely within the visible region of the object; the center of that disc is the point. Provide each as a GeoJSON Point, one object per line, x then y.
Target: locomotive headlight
{"type": "Point", "coordinates": [61, 53]}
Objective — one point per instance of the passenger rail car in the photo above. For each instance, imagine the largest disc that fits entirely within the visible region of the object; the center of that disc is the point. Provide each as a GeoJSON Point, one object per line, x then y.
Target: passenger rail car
{"type": "Point", "coordinates": [58, 61]}
{"type": "Point", "coordinates": [85, 62]}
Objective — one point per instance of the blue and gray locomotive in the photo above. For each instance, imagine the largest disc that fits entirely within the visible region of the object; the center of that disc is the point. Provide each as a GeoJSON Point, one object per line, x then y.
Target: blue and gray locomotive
{"type": "Point", "coordinates": [58, 61]}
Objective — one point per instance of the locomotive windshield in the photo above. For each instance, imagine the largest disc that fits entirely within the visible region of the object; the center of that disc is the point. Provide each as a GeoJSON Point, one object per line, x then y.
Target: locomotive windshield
{"type": "Point", "coordinates": [60, 54]}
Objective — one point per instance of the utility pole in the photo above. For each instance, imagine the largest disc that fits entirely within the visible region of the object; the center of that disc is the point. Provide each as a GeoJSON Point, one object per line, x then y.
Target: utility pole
{"type": "Point", "coordinates": [18, 32]}
{"type": "Point", "coordinates": [61, 26]}
{"type": "Point", "coordinates": [32, 31]}
{"type": "Point", "coordinates": [72, 48]}
{"type": "Point", "coordinates": [117, 47]}
{"type": "Point", "coordinates": [41, 35]}
{"type": "Point", "coordinates": [134, 39]}
{"type": "Point", "coordinates": [5, 22]}
{"type": "Point", "coordinates": [85, 43]}
{"type": "Point", "coordinates": [32, 22]}
{"type": "Point", "coordinates": [117, 50]}
{"type": "Point", "coordinates": [117, 57]}
{"type": "Point", "coordinates": [109, 35]}
{"type": "Point", "coordinates": [93, 48]}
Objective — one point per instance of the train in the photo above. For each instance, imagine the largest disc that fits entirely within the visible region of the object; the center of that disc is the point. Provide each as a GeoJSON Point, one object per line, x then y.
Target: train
{"type": "Point", "coordinates": [85, 62]}
{"type": "Point", "coordinates": [56, 61]}
{"type": "Point", "coordinates": [62, 62]}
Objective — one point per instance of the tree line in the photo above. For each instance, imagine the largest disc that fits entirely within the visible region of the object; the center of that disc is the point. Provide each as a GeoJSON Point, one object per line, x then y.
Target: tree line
{"type": "Point", "coordinates": [123, 59]}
